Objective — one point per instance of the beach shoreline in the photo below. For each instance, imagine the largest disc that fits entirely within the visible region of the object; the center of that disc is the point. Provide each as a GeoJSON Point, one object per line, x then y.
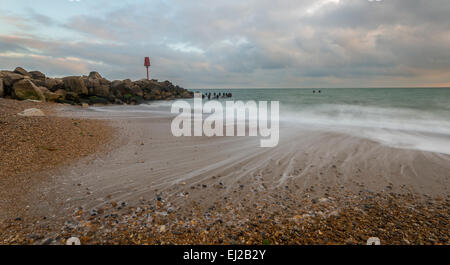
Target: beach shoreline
{"type": "Point", "coordinates": [316, 187]}
{"type": "Point", "coordinates": [33, 147]}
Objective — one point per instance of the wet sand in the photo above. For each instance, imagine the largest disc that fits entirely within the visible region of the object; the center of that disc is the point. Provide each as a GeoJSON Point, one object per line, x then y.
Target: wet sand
{"type": "Point", "coordinates": [155, 188]}
{"type": "Point", "coordinates": [151, 159]}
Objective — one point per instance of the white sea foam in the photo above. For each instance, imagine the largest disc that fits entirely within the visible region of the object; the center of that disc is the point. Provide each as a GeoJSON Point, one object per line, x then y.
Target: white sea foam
{"type": "Point", "coordinates": [397, 127]}
{"type": "Point", "coordinates": [401, 128]}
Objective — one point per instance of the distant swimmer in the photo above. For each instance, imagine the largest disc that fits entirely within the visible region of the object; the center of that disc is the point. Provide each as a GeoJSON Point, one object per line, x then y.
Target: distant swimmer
{"type": "Point", "coordinates": [314, 92]}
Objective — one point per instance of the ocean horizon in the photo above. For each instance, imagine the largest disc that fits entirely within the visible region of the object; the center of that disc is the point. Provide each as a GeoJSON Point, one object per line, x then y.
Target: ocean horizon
{"type": "Point", "coordinates": [410, 118]}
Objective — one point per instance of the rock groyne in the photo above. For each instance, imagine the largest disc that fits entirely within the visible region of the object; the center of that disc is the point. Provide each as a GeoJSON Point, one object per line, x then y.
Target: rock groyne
{"type": "Point", "coordinates": [92, 89]}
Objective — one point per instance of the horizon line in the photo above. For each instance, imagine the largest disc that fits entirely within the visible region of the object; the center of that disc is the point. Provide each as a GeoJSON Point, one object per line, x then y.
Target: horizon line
{"type": "Point", "coordinates": [448, 87]}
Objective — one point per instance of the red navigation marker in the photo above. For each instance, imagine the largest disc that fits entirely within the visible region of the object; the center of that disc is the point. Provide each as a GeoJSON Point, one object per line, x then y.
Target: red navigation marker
{"type": "Point", "coordinates": [147, 64]}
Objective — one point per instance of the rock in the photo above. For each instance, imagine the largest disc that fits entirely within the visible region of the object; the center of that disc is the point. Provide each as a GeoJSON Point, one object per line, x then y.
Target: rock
{"type": "Point", "coordinates": [71, 96]}
{"type": "Point", "coordinates": [84, 89]}
{"type": "Point", "coordinates": [2, 91]}
{"type": "Point", "coordinates": [25, 89]}
{"type": "Point", "coordinates": [38, 82]}
{"type": "Point", "coordinates": [52, 84]}
{"type": "Point", "coordinates": [115, 84]}
{"type": "Point", "coordinates": [75, 84]}
{"type": "Point", "coordinates": [73, 241]}
{"type": "Point", "coordinates": [21, 71]}
{"type": "Point", "coordinates": [91, 84]}
{"type": "Point", "coordinates": [187, 94]}
{"type": "Point", "coordinates": [125, 87]}
{"type": "Point", "coordinates": [95, 75]}
{"type": "Point", "coordinates": [33, 112]}
{"type": "Point", "coordinates": [44, 90]}
{"type": "Point", "coordinates": [9, 78]}
{"type": "Point", "coordinates": [136, 90]}
{"type": "Point", "coordinates": [101, 91]}
{"type": "Point", "coordinates": [50, 96]}
{"type": "Point", "coordinates": [61, 93]}
{"type": "Point", "coordinates": [37, 75]}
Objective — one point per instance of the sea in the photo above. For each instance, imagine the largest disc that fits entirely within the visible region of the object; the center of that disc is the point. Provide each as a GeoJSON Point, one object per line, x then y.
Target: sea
{"type": "Point", "coordinates": [410, 118]}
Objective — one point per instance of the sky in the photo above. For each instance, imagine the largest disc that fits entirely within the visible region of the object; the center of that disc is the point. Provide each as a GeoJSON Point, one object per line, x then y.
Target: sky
{"type": "Point", "coordinates": [234, 43]}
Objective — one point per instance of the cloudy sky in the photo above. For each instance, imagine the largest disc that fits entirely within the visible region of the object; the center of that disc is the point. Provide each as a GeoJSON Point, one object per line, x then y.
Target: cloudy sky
{"type": "Point", "coordinates": [234, 43]}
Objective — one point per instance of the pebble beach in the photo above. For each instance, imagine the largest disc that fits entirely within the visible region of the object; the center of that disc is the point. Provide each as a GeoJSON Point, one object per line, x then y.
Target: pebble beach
{"type": "Point", "coordinates": [125, 181]}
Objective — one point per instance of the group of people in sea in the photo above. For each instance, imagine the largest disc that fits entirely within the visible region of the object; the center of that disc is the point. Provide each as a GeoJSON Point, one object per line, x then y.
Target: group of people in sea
{"type": "Point", "coordinates": [217, 95]}
{"type": "Point", "coordinates": [318, 91]}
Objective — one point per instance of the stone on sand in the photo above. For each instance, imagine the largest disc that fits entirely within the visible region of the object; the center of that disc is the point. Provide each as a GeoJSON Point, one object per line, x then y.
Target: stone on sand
{"type": "Point", "coordinates": [33, 112]}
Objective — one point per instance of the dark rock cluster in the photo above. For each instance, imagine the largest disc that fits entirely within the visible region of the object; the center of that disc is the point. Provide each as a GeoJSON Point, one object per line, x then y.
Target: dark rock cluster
{"type": "Point", "coordinates": [92, 89]}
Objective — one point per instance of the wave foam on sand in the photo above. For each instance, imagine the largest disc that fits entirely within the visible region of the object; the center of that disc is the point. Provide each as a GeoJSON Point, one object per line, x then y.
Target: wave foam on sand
{"type": "Point", "coordinates": [306, 156]}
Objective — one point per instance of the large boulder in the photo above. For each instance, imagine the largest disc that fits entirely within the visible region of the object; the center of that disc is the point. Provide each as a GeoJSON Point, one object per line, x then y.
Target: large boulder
{"type": "Point", "coordinates": [72, 97]}
{"type": "Point", "coordinates": [53, 84]}
{"type": "Point", "coordinates": [37, 75]}
{"type": "Point", "coordinates": [75, 84]}
{"type": "Point", "coordinates": [61, 93]}
{"type": "Point", "coordinates": [101, 91]}
{"type": "Point", "coordinates": [115, 85]}
{"type": "Point", "coordinates": [51, 96]}
{"type": "Point", "coordinates": [187, 94]}
{"type": "Point", "coordinates": [21, 71]}
{"type": "Point", "coordinates": [38, 82]}
{"type": "Point", "coordinates": [121, 88]}
{"type": "Point", "coordinates": [25, 89]}
{"type": "Point", "coordinates": [58, 96]}
{"type": "Point", "coordinates": [137, 91]}
{"type": "Point", "coordinates": [95, 75]}
{"type": "Point", "coordinates": [104, 81]}
{"type": "Point", "coordinates": [167, 95]}
{"type": "Point", "coordinates": [9, 78]}
{"type": "Point", "coordinates": [91, 83]}
{"type": "Point", "coordinates": [125, 87]}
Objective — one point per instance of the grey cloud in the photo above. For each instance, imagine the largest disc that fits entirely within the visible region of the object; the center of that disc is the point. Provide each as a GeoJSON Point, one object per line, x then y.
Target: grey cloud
{"type": "Point", "coordinates": [257, 43]}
